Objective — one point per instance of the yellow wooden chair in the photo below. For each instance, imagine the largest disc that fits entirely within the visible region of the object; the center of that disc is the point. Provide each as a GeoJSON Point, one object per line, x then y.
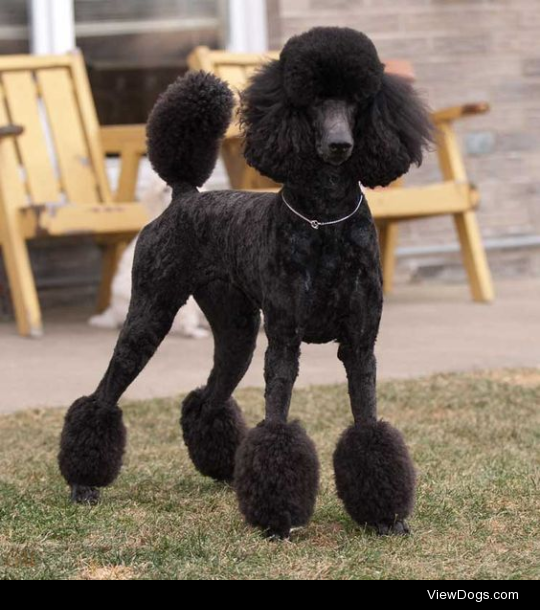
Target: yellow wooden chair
{"type": "Point", "coordinates": [53, 180]}
{"type": "Point", "coordinates": [454, 196]}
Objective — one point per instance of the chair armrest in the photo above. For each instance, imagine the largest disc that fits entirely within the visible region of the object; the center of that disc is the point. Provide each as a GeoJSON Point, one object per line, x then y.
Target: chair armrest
{"type": "Point", "coordinates": [448, 115]}
{"type": "Point", "coordinates": [11, 131]}
{"type": "Point", "coordinates": [116, 139]}
{"type": "Point", "coordinates": [233, 132]}
{"type": "Point", "coordinates": [449, 152]}
{"type": "Point", "coordinates": [129, 143]}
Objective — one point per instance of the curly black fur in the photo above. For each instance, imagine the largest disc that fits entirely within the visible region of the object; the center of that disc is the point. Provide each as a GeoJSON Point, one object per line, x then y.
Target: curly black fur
{"type": "Point", "coordinates": [239, 253]}
{"type": "Point", "coordinates": [277, 477]}
{"type": "Point", "coordinates": [330, 62]}
{"type": "Point", "coordinates": [198, 109]}
{"type": "Point", "coordinates": [85, 495]}
{"type": "Point", "coordinates": [392, 134]}
{"type": "Point", "coordinates": [392, 126]}
{"type": "Point", "coordinates": [92, 444]}
{"type": "Point", "coordinates": [375, 477]}
{"type": "Point", "coordinates": [212, 434]}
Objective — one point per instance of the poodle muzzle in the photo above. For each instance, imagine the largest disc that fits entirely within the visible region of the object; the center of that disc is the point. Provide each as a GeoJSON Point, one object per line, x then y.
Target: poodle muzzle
{"type": "Point", "coordinates": [334, 120]}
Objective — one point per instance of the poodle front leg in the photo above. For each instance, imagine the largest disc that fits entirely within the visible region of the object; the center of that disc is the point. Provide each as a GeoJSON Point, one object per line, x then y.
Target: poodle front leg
{"type": "Point", "coordinates": [277, 470]}
{"type": "Point", "coordinates": [375, 477]}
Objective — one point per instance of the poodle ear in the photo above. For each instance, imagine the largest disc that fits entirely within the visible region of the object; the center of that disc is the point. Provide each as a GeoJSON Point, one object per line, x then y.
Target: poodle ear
{"type": "Point", "coordinates": [278, 136]}
{"type": "Point", "coordinates": [393, 133]}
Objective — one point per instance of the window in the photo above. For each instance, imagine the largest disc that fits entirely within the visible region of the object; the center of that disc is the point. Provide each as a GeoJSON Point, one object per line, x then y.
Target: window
{"type": "Point", "coordinates": [135, 48]}
{"type": "Point", "coordinates": [14, 32]}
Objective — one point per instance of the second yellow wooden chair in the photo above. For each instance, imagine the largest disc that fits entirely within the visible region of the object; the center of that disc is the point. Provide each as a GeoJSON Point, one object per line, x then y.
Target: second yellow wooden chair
{"type": "Point", "coordinates": [455, 195]}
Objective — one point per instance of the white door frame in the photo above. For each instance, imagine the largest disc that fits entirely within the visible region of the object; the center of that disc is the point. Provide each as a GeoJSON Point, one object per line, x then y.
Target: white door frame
{"type": "Point", "coordinates": [52, 26]}
{"type": "Point", "coordinates": [248, 26]}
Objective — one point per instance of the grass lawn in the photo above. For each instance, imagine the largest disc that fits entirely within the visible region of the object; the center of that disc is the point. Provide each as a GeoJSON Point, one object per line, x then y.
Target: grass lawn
{"type": "Point", "coordinates": [475, 440]}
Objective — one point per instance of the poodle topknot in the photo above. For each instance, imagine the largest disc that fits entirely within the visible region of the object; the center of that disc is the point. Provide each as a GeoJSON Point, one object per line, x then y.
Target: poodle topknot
{"type": "Point", "coordinates": [321, 120]}
{"type": "Point", "coordinates": [330, 62]}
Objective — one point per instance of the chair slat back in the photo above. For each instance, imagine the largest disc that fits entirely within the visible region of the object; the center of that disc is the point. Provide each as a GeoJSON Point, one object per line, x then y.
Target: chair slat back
{"type": "Point", "coordinates": [24, 109]}
{"type": "Point", "coordinates": [234, 68]}
{"type": "Point", "coordinates": [59, 156]}
{"type": "Point", "coordinates": [12, 188]}
{"type": "Point", "coordinates": [76, 171]}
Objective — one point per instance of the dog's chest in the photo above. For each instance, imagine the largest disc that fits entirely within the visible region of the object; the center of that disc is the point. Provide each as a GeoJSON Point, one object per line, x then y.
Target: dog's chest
{"type": "Point", "coordinates": [329, 290]}
{"type": "Point", "coordinates": [333, 269]}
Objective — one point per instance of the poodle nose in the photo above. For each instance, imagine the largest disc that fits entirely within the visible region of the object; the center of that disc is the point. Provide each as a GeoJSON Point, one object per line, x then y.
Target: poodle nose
{"type": "Point", "coordinates": [340, 147]}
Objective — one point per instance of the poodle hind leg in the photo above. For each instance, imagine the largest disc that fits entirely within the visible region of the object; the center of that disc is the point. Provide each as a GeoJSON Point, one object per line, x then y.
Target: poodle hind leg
{"type": "Point", "coordinates": [212, 424]}
{"type": "Point", "coordinates": [94, 437]}
{"type": "Point", "coordinates": [375, 476]}
{"type": "Point", "coordinates": [277, 469]}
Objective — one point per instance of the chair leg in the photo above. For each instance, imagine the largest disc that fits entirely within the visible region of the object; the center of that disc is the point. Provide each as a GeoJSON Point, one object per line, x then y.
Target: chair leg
{"type": "Point", "coordinates": [474, 257]}
{"type": "Point", "coordinates": [21, 281]}
{"type": "Point", "coordinates": [111, 257]}
{"type": "Point", "coordinates": [388, 237]}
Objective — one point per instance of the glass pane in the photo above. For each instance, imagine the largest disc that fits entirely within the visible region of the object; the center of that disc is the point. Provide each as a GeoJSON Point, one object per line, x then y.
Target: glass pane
{"type": "Point", "coordinates": [141, 10]}
{"type": "Point", "coordinates": [135, 48]}
{"type": "Point", "coordinates": [14, 26]}
{"type": "Point", "coordinates": [146, 32]}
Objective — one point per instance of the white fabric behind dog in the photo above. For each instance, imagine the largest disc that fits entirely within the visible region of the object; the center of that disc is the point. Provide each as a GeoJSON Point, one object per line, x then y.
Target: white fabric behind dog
{"type": "Point", "coordinates": [190, 322]}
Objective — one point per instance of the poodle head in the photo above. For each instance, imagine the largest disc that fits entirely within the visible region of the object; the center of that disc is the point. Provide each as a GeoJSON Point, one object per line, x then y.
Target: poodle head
{"type": "Point", "coordinates": [327, 102]}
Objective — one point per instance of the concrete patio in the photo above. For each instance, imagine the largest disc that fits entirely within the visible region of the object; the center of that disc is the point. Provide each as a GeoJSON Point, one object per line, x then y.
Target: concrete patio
{"type": "Point", "coordinates": [426, 329]}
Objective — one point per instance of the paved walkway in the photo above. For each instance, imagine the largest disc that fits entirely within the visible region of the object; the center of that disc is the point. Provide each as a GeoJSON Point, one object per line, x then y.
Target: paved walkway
{"type": "Point", "coordinates": [426, 329]}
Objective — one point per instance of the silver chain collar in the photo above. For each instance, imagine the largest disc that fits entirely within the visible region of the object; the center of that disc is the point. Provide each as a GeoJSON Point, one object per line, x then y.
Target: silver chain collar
{"type": "Point", "coordinates": [315, 224]}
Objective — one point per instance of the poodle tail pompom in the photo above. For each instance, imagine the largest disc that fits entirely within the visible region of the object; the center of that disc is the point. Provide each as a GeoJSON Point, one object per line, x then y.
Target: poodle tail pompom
{"type": "Point", "coordinates": [185, 128]}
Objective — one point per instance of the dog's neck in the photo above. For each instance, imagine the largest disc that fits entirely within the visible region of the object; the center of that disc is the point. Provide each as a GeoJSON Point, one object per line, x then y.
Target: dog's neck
{"type": "Point", "coordinates": [326, 196]}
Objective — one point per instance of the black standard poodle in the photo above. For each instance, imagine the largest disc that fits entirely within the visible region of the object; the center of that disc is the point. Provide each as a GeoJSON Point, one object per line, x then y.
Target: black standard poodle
{"type": "Point", "coordinates": [323, 120]}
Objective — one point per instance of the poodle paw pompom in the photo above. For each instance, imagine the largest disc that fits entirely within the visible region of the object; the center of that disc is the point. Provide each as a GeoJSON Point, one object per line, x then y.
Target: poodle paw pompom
{"type": "Point", "coordinates": [399, 528]}
{"type": "Point", "coordinates": [277, 478]}
{"type": "Point", "coordinates": [375, 477]}
{"type": "Point", "coordinates": [84, 495]}
{"type": "Point", "coordinates": [212, 433]}
{"type": "Point", "coordinates": [92, 445]}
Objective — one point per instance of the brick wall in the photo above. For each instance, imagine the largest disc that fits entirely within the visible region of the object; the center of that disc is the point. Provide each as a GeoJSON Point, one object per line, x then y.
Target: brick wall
{"type": "Point", "coordinates": [463, 51]}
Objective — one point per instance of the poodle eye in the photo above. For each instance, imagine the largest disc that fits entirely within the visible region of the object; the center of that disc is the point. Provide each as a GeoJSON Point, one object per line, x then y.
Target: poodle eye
{"type": "Point", "coordinates": [362, 101]}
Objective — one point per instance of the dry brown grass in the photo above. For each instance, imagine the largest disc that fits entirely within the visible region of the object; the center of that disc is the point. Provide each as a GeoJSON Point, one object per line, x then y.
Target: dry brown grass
{"type": "Point", "coordinates": [474, 438]}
